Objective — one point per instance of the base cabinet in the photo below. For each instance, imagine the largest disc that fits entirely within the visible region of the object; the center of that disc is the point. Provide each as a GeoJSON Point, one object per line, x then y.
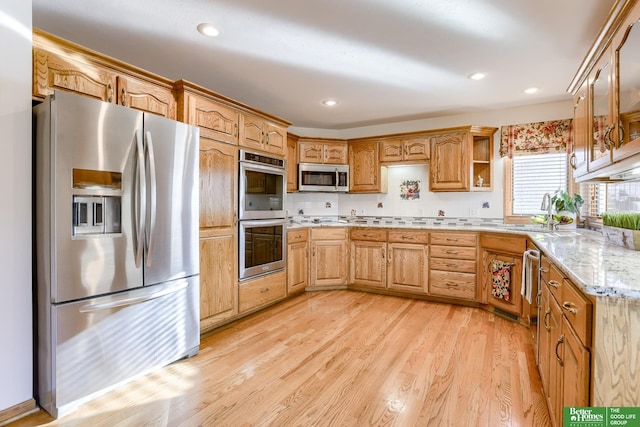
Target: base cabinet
{"type": "Point", "coordinates": [452, 265]}
{"type": "Point", "coordinates": [297, 260]}
{"type": "Point", "coordinates": [368, 264]}
{"type": "Point", "coordinates": [329, 257]}
{"type": "Point", "coordinates": [408, 267]}
{"type": "Point", "coordinates": [564, 339]}
{"type": "Point", "coordinates": [262, 291]}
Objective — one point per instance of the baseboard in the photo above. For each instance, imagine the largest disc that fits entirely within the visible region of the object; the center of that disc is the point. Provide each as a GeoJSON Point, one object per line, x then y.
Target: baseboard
{"type": "Point", "coordinates": [17, 411]}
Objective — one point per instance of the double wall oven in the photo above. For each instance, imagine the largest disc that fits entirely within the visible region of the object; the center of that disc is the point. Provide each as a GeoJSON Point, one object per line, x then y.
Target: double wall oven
{"type": "Point", "coordinates": [262, 226]}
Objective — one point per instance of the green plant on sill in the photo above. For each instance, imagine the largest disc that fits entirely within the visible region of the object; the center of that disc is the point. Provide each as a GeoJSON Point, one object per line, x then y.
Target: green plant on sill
{"type": "Point", "coordinates": [628, 220]}
{"type": "Point", "coordinates": [562, 201]}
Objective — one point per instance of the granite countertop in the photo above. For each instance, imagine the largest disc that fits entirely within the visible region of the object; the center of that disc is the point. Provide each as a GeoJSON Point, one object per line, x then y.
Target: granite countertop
{"type": "Point", "coordinates": [599, 269]}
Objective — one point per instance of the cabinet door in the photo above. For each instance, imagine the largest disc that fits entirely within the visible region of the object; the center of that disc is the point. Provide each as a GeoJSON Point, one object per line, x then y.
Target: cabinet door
{"type": "Point", "coordinates": [310, 152]}
{"type": "Point", "coordinates": [503, 281]}
{"type": "Point", "coordinates": [335, 154]}
{"type": "Point", "coordinates": [416, 149]}
{"type": "Point", "coordinates": [603, 137]}
{"type": "Point", "coordinates": [581, 132]}
{"type": "Point", "coordinates": [408, 267]}
{"type": "Point", "coordinates": [391, 150]}
{"type": "Point", "coordinates": [252, 132]}
{"type": "Point", "coordinates": [364, 167]}
{"type": "Point", "coordinates": [218, 184]}
{"type": "Point", "coordinates": [368, 264]}
{"type": "Point", "coordinates": [297, 266]}
{"type": "Point", "coordinates": [216, 121]}
{"type": "Point", "coordinates": [146, 96]}
{"type": "Point", "coordinates": [275, 139]}
{"type": "Point", "coordinates": [545, 328]}
{"type": "Point", "coordinates": [292, 164]}
{"type": "Point", "coordinates": [450, 162]}
{"type": "Point", "coordinates": [555, 359]}
{"type": "Point", "coordinates": [576, 368]}
{"type": "Point", "coordinates": [218, 275]}
{"type": "Point", "coordinates": [52, 71]}
{"type": "Point", "coordinates": [329, 262]}
{"type": "Point", "coordinates": [627, 102]}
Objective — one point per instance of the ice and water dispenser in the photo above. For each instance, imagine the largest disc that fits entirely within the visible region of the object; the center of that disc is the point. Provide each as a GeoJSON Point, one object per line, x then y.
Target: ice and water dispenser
{"type": "Point", "coordinates": [95, 214]}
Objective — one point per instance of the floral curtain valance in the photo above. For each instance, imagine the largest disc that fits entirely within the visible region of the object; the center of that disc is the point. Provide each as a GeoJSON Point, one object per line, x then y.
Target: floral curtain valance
{"type": "Point", "coordinates": [536, 138]}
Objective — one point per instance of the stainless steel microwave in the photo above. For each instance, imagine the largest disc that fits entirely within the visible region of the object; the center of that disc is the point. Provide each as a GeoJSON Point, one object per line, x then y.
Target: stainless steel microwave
{"type": "Point", "coordinates": [321, 177]}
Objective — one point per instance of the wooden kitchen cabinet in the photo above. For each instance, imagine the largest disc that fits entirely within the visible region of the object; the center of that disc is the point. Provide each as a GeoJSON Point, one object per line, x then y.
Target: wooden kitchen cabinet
{"type": "Point", "coordinates": [452, 264]}
{"type": "Point", "coordinates": [260, 134]}
{"type": "Point", "coordinates": [217, 120]}
{"type": "Point", "coordinates": [292, 163]}
{"type": "Point", "coordinates": [320, 150]}
{"type": "Point", "coordinates": [581, 131]}
{"type": "Point", "coordinates": [329, 257]}
{"type": "Point", "coordinates": [366, 175]}
{"type": "Point", "coordinates": [564, 340]}
{"type": "Point", "coordinates": [62, 65]}
{"type": "Point", "coordinates": [408, 260]}
{"type": "Point", "coordinates": [262, 291]}
{"type": "Point", "coordinates": [505, 249]}
{"type": "Point", "coordinates": [406, 149]}
{"type": "Point", "coordinates": [297, 260]}
{"type": "Point", "coordinates": [368, 265]}
{"type": "Point", "coordinates": [459, 157]}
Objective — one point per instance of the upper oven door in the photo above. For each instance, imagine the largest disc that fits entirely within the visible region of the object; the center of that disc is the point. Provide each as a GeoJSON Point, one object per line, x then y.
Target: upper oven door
{"type": "Point", "coordinates": [262, 191]}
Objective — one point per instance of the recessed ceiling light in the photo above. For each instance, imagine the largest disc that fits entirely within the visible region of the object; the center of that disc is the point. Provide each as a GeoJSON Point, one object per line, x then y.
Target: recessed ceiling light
{"type": "Point", "coordinates": [532, 90]}
{"type": "Point", "coordinates": [208, 30]}
{"type": "Point", "coordinates": [477, 76]}
{"type": "Point", "coordinates": [330, 102]}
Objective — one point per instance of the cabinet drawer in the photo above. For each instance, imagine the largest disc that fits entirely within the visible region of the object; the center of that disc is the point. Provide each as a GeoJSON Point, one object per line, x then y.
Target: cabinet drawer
{"type": "Point", "coordinates": [262, 290]}
{"type": "Point", "coordinates": [409, 236]}
{"type": "Point", "coordinates": [453, 252]}
{"type": "Point", "coordinates": [462, 266]}
{"type": "Point", "coordinates": [297, 235]}
{"type": "Point", "coordinates": [373, 235]}
{"type": "Point", "coordinates": [555, 282]}
{"type": "Point", "coordinates": [453, 239]}
{"type": "Point", "coordinates": [545, 266]}
{"type": "Point", "coordinates": [328, 233]}
{"type": "Point", "coordinates": [504, 243]}
{"type": "Point", "coordinates": [452, 284]}
{"type": "Point", "coordinates": [578, 311]}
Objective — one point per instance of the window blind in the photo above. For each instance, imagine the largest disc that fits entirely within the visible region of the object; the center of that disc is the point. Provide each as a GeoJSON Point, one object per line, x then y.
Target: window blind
{"type": "Point", "coordinates": [533, 176]}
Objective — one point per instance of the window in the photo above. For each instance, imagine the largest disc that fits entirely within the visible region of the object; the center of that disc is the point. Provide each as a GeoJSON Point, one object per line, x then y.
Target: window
{"type": "Point", "coordinates": [527, 179]}
{"type": "Point", "coordinates": [618, 197]}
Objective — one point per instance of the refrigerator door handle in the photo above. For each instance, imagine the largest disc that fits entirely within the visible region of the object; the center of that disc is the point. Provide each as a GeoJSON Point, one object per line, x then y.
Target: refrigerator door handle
{"type": "Point", "coordinates": [152, 197]}
{"type": "Point", "coordinates": [139, 203]}
{"type": "Point", "coordinates": [90, 308]}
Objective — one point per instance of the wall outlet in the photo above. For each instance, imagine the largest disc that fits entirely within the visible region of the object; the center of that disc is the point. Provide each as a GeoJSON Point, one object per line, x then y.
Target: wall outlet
{"type": "Point", "coordinates": [473, 212]}
{"type": "Point", "coordinates": [361, 211]}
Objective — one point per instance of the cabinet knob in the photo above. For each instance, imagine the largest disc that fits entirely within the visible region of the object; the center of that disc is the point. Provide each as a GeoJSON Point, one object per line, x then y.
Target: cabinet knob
{"type": "Point", "coordinates": [109, 92]}
{"type": "Point", "coordinates": [123, 97]}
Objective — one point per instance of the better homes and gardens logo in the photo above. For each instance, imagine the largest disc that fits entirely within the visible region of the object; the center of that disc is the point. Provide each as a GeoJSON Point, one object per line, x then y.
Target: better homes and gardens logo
{"type": "Point", "coordinates": [601, 416]}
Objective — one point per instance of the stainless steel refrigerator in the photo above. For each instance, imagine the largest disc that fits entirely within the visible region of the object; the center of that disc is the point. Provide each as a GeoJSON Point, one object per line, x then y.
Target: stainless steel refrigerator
{"type": "Point", "coordinates": [117, 252]}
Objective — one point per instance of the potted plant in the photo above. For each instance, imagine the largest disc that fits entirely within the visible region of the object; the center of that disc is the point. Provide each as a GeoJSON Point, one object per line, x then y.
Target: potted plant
{"type": "Point", "coordinates": [566, 206]}
{"type": "Point", "coordinates": [622, 229]}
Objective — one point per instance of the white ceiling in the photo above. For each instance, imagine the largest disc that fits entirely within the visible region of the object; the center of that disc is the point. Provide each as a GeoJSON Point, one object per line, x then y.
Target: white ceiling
{"type": "Point", "coordinates": [383, 60]}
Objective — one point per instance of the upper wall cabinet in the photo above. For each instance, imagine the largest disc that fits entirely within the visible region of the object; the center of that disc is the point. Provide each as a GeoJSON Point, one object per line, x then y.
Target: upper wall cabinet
{"type": "Point", "coordinates": [462, 159]}
{"type": "Point", "coordinates": [405, 149]}
{"type": "Point", "coordinates": [611, 136]}
{"type": "Point", "coordinates": [365, 173]}
{"type": "Point", "coordinates": [319, 150]}
{"type": "Point", "coordinates": [61, 65]}
{"type": "Point", "coordinates": [260, 134]}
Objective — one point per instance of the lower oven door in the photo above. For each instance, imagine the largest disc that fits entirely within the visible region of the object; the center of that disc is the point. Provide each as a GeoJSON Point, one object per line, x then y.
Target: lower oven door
{"type": "Point", "coordinates": [262, 246]}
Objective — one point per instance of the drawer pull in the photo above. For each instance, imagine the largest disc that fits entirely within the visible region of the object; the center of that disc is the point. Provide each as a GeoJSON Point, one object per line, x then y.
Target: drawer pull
{"type": "Point", "coordinates": [560, 341]}
{"type": "Point", "coordinates": [452, 252]}
{"type": "Point", "coordinates": [265, 290]}
{"type": "Point", "coordinates": [452, 265]}
{"type": "Point", "coordinates": [544, 319]}
{"type": "Point", "coordinates": [554, 284]}
{"type": "Point", "coordinates": [407, 238]}
{"type": "Point", "coordinates": [451, 240]}
{"type": "Point", "coordinates": [543, 270]}
{"type": "Point", "coordinates": [567, 306]}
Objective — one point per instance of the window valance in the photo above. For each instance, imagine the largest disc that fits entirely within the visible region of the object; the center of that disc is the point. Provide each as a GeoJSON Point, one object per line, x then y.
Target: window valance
{"type": "Point", "coordinates": [536, 138]}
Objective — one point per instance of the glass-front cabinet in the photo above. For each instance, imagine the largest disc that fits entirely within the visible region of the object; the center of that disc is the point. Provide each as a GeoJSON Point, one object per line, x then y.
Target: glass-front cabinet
{"type": "Point", "coordinates": [627, 47]}
{"type": "Point", "coordinates": [602, 124]}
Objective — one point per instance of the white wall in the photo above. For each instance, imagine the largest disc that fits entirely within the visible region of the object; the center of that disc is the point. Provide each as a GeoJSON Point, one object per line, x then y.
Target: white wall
{"type": "Point", "coordinates": [453, 204]}
{"type": "Point", "coordinates": [16, 367]}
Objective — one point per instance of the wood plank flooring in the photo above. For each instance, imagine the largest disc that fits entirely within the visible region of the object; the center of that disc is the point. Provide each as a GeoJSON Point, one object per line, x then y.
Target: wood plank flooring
{"type": "Point", "coordinates": [339, 358]}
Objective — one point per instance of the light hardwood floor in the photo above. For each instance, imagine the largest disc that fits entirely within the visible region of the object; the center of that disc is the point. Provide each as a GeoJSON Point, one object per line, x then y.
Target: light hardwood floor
{"type": "Point", "coordinates": [339, 358]}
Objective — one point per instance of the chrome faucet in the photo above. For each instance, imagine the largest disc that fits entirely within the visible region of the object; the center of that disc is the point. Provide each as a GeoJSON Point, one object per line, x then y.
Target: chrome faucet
{"type": "Point", "coordinates": [546, 206]}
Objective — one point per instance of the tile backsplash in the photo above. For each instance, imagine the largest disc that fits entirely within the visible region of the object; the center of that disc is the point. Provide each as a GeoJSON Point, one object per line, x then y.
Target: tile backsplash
{"type": "Point", "coordinates": [400, 200]}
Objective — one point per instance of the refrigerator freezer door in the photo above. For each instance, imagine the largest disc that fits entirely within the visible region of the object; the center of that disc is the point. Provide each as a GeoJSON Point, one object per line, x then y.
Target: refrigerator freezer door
{"type": "Point", "coordinates": [172, 247]}
{"type": "Point", "coordinates": [98, 139]}
{"type": "Point", "coordinates": [100, 342]}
